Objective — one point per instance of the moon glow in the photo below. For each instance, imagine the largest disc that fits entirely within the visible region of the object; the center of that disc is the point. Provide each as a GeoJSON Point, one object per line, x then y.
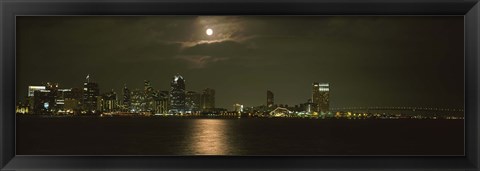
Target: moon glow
{"type": "Point", "coordinates": [209, 32]}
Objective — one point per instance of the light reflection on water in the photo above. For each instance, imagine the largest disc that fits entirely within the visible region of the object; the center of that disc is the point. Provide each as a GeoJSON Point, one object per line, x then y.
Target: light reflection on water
{"type": "Point", "coordinates": [209, 137]}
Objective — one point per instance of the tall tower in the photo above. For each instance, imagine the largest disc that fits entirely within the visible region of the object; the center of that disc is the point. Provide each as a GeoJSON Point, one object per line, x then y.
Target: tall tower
{"type": "Point", "coordinates": [126, 98]}
{"type": "Point", "coordinates": [90, 93]}
{"type": "Point", "coordinates": [149, 96]}
{"type": "Point", "coordinates": [321, 97]}
{"type": "Point", "coordinates": [177, 94]}
{"type": "Point", "coordinates": [193, 101]}
{"type": "Point", "coordinates": [270, 100]}
{"type": "Point", "coordinates": [208, 99]}
{"type": "Point", "coordinates": [53, 87]}
{"type": "Point", "coordinates": [109, 101]}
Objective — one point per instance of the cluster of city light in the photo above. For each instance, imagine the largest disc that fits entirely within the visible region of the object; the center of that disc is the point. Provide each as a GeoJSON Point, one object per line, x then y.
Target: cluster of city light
{"type": "Point", "coordinates": [49, 99]}
{"type": "Point", "coordinates": [178, 99]}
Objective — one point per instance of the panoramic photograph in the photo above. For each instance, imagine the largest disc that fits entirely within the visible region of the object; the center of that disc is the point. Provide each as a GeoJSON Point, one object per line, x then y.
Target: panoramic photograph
{"type": "Point", "coordinates": [240, 85]}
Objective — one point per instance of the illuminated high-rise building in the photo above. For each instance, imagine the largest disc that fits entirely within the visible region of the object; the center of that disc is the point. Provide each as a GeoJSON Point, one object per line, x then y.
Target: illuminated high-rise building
{"type": "Point", "coordinates": [99, 107]}
{"type": "Point", "coordinates": [126, 98]}
{"type": "Point", "coordinates": [53, 87]}
{"type": "Point", "coordinates": [90, 93]}
{"type": "Point", "coordinates": [31, 98]}
{"type": "Point", "coordinates": [73, 100]}
{"type": "Point", "coordinates": [270, 100]}
{"type": "Point", "coordinates": [32, 89]}
{"type": "Point", "coordinates": [150, 97]}
{"type": "Point", "coordinates": [60, 99]}
{"type": "Point", "coordinates": [137, 104]}
{"type": "Point", "coordinates": [44, 98]}
{"type": "Point", "coordinates": [157, 103]}
{"type": "Point", "coordinates": [109, 102]}
{"type": "Point", "coordinates": [177, 94]}
{"type": "Point", "coordinates": [163, 101]}
{"type": "Point", "coordinates": [321, 97]}
{"type": "Point", "coordinates": [208, 99]}
{"type": "Point", "coordinates": [43, 102]}
{"type": "Point", "coordinates": [193, 101]}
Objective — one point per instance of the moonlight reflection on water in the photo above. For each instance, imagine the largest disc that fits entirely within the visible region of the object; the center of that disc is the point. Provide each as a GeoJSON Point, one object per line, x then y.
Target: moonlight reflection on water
{"type": "Point", "coordinates": [209, 137]}
{"type": "Point", "coordinates": [245, 136]}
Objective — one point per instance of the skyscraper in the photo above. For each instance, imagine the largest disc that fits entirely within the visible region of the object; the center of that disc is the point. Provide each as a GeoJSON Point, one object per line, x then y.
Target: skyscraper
{"type": "Point", "coordinates": [31, 98]}
{"type": "Point", "coordinates": [163, 101]}
{"type": "Point", "coordinates": [53, 87]}
{"type": "Point", "coordinates": [60, 98]}
{"type": "Point", "coordinates": [126, 98]}
{"type": "Point", "coordinates": [177, 94]}
{"type": "Point", "coordinates": [109, 101]}
{"type": "Point", "coordinates": [90, 93]}
{"type": "Point", "coordinates": [150, 96]}
{"type": "Point", "coordinates": [43, 101]}
{"type": "Point", "coordinates": [321, 97]}
{"type": "Point", "coordinates": [270, 101]}
{"type": "Point", "coordinates": [32, 89]}
{"type": "Point", "coordinates": [73, 100]}
{"type": "Point", "coordinates": [208, 99]}
{"type": "Point", "coordinates": [193, 101]}
{"type": "Point", "coordinates": [137, 104]}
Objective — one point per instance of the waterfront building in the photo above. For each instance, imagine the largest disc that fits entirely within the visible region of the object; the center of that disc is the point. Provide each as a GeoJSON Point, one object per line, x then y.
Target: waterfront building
{"type": "Point", "coordinates": [73, 100]}
{"type": "Point", "coordinates": [321, 97]}
{"type": "Point", "coordinates": [163, 102]}
{"type": "Point", "coordinates": [208, 99]}
{"type": "Point", "coordinates": [193, 101]}
{"type": "Point", "coordinates": [53, 87]}
{"type": "Point", "coordinates": [109, 102]}
{"type": "Point", "coordinates": [308, 107]}
{"type": "Point", "coordinates": [42, 99]}
{"type": "Point", "coordinates": [60, 100]}
{"type": "Point", "coordinates": [43, 102]}
{"type": "Point", "coordinates": [177, 95]}
{"type": "Point", "coordinates": [150, 97]}
{"type": "Point", "coordinates": [32, 89]}
{"type": "Point", "coordinates": [126, 99]}
{"type": "Point", "coordinates": [137, 104]}
{"type": "Point", "coordinates": [99, 107]}
{"type": "Point", "coordinates": [30, 97]}
{"type": "Point", "coordinates": [90, 93]}
{"type": "Point", "coordinates": [280, 112]}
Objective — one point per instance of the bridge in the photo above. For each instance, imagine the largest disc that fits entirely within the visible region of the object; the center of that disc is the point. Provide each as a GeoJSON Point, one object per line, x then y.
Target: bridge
{"type": "Point", "coordinates": [396, 108]}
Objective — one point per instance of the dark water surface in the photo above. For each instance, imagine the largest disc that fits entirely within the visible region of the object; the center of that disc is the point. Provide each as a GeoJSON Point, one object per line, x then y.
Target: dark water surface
{"type": "Point", "coordinates": [245, 136]}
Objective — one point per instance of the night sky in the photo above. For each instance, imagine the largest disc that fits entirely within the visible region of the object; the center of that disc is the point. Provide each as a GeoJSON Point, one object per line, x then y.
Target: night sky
{"type": "Point", "coordinates": [368, 60]}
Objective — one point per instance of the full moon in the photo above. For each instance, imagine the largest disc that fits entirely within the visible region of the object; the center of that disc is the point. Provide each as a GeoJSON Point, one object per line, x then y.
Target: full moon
{"type": "Point", "coordinates": [209, 32]}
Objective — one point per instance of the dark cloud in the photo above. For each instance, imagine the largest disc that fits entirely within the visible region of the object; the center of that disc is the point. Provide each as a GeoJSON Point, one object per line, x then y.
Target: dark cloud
{"type": "Point", "coordinates": [224, 48]}
{"type": "Point", "coordinates": [197, 62]}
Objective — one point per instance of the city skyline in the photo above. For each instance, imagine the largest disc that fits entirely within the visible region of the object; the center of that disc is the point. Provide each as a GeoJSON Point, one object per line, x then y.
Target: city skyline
{"type": "Point", "coordinates": [320, 95]}
{"type": "Point", "coordinates": [370, 61]}
{"type": "Point", "coordinates": [178, 95]}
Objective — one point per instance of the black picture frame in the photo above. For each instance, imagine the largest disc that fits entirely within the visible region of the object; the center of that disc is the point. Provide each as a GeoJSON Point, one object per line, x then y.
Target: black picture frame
{"type": "Point", "coordinates": [11, 8]}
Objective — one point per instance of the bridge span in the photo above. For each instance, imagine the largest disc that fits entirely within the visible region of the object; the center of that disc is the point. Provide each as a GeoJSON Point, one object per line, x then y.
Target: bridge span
{"type": "Point", "coordinates": [396, 109]}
